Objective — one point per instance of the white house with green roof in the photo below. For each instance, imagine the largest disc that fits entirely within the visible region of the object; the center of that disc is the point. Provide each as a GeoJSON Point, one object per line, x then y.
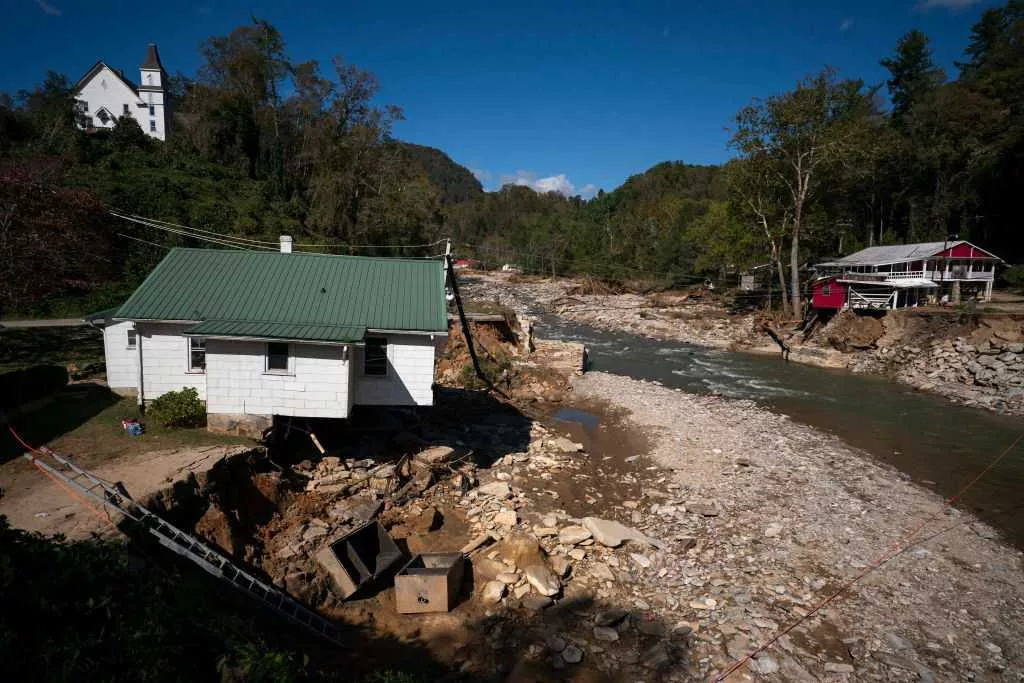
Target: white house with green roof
{"type": "Point", "coordinates": [259, 334]}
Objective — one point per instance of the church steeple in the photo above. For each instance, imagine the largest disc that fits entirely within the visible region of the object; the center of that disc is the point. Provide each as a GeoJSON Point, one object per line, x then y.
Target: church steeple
{"type": "Point", "coordinates": [151, 91]}
{"type": "Point", "coordinates": [151, 73]}
{"type": "Point", "coordinates": [152, 59]}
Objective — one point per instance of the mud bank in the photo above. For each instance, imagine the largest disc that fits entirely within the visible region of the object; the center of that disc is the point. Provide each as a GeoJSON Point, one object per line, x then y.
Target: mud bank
{"type": "Point", "coordinates": [781, 515]}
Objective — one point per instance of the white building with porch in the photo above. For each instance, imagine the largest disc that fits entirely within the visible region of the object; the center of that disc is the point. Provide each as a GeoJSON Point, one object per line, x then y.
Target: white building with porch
{"type": "Point", "coordinates": [905, 276]}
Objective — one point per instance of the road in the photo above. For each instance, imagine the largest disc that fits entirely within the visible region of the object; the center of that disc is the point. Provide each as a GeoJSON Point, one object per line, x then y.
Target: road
{"type": "Point", "coordinates": [54, 322]}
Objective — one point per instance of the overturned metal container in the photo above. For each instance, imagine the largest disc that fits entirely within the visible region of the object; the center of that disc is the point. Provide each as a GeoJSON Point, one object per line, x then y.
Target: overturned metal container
{"type": "Point", "coordinates": [430, 582]}
{"type": "Point", "coordinates": [359, 557]}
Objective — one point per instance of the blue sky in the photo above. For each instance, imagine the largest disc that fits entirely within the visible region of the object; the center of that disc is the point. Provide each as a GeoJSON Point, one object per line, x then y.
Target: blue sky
{"type": "Point", "coordinates": [564, 96]}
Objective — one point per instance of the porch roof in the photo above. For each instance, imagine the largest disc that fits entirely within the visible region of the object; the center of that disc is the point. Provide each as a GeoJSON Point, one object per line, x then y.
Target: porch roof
{"type": "Point", "coordinates": [908, 283]}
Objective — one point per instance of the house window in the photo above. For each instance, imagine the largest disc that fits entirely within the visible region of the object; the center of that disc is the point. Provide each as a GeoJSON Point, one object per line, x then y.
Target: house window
{"type": "Point", "coordinates": [826, 290]}
{"type": "Point", "coordinates": [152, 126]}
{"type": "Point", "coordinates": [277, 357]}
{"type": "Point", "coordinates": [196, 355]}
{"type": "Point", "coordinates": [83, 105]}
{"type": "Point", "coordinates": [132, 339]}
{"type": "Point", "coordinates": [375, 357]}
{"type": "Point", "coordinates": [152, 110]}
{"type": "Point", "coordinates": [127, 110]}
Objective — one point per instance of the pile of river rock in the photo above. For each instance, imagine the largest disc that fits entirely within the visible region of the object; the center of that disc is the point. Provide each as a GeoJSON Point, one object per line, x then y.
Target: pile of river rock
{"type": "Point", "coordinates": [988, 374]}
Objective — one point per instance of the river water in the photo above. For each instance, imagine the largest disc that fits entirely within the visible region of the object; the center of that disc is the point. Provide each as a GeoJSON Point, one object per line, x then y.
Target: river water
{"type": "Point", "coordinates": [935, 442]}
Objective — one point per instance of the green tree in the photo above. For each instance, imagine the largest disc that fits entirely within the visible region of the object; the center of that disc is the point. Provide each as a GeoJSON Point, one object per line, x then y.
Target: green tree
{"type": "Point", "coordinates": [797, 136]}
{"type": "Point", "coordinates": [913, 73]}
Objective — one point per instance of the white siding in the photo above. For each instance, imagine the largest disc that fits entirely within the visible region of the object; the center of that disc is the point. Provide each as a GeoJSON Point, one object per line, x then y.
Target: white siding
{"type": "Point", "coordinates": [237, 383]}
{"type": "Point", "coordinates": [410, 373]}
{"type": "Point", "coordinates": [107, 91]}
{"type": "Point", "coordinates": [122, 362]}
{"type": "Point", "coordinates": [165, 360]}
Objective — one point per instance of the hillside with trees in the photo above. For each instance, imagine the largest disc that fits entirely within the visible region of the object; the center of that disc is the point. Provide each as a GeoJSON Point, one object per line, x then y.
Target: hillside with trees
{"type": "Point", "coordinates": [264, 145]}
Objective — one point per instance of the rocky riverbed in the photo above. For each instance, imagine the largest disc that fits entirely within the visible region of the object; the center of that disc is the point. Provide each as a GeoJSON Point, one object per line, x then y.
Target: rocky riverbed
{"type": "Point", "coordinates": [764, 518]}
{"type": "Point", "coordinates": [966, 358]}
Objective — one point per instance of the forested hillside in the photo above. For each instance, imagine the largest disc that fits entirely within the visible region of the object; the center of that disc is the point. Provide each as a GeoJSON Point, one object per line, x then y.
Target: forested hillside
{"type": "Point", "coordinates": [263, 144]}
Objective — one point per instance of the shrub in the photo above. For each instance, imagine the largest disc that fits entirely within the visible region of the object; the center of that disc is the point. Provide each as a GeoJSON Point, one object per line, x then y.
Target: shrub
{"type": "Point", "coordinates": [179, 409]}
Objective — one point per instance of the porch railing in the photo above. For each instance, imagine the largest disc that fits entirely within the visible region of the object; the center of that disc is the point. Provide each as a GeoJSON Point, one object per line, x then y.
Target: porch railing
{"type": "Point", "coordinates": [874, 301]}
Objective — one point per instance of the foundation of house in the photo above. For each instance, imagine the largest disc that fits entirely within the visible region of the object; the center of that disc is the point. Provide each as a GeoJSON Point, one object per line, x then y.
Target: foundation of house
{"type": "Point", "coordinates": [251, 426]}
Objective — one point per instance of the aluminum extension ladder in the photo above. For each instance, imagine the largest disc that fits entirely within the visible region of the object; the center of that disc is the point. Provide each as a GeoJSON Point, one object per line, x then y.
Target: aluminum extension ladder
{"type": "Point", "coordinates": [115, 496]}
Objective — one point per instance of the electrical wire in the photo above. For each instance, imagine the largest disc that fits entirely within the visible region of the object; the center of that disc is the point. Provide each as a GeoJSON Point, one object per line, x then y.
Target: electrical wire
{"type": "Point", "coordinates": [162, 246]}
{"type": "Point", "coordinates": [226, 241]}
{"type": "Point", "coordinates": [247, 243]}
{"type": "Point", "coordinates": [191, 229]}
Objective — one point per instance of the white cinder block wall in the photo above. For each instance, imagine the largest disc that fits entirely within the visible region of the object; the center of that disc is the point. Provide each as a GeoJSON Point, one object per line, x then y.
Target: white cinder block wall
{"type": "Point", "coordinates": [165, 360]}
{"type": "Point", "coordinates": [410, 373]}
{"type": "Point", "coordinates": [122, 362]}
{"type": "Point", "coordinates": [317, 383]}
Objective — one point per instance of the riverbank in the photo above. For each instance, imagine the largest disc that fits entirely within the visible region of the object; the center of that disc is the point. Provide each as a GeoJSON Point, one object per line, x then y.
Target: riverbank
{"type": "Point", "coordinates": [944, 353]}
{"type": "Point", "coordinates": [781, 515]}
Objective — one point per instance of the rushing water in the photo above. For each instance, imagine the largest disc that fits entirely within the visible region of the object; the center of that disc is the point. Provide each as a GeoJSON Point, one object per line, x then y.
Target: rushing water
{"type": "Point", "coordinates": [932, 440]}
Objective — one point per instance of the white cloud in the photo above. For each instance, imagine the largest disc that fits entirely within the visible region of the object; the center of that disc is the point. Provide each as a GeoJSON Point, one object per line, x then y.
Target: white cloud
{"type": "Point", "coordinates": [554, 183]}
{"type": "Point", "coordinates": [48, 8]}
{"type": "Point", "coordinates": [480, 174]}
{"type": "Point", "coordinates": [588, 190]}
{"type": "Point", "coordinates": [666, 32]}
{"type": "Point", "coordinates": [926, 5]}
{"type": "Point", "coordinates": [846, 24]}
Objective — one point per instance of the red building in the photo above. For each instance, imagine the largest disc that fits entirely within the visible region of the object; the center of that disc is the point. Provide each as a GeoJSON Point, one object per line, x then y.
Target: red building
{"type": "Point", "coordinates": [904, 276]}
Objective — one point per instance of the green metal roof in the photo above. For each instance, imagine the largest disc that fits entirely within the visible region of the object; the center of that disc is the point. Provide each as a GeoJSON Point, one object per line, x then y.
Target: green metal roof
{"type": "Point", "coordinates": [283, 331]}
{"type": "Point", "coordinates": [315, 297]}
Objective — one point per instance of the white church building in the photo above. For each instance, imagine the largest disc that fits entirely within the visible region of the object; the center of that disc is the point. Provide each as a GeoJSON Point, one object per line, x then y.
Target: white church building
{"type": "Point", "coordinates": [103, 95]}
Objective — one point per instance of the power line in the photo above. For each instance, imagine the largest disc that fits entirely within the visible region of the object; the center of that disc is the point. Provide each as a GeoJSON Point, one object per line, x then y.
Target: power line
{"type": "Point", "coordinates": [199, 230]}
{"type": "Point", "coordinates": [224, 240]}
{"type": "Point", "coordinates": [247, 243]}
{"type": "Point", "coordinates": [377, 246]}
{"type": "Point", "coordinates": [162, 246]}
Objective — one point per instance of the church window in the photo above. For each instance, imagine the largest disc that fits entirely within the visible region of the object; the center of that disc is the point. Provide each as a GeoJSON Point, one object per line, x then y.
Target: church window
{"type": "Point", "coordinates": [152, 126]}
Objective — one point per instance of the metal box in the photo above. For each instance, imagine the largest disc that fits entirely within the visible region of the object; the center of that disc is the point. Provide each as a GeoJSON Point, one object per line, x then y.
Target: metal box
{"type": "Point", "coordinates": [429, 583]}
{"type": "Point", "coordinates": [359, 557]}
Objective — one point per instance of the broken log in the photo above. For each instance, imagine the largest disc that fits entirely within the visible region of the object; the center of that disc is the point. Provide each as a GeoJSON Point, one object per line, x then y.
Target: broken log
{"type": "Point", "coordinates": [777, 339]}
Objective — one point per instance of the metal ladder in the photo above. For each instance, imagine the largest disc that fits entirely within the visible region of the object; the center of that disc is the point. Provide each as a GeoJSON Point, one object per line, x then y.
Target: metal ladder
{"type": "Point", "coordinates": [115, 496]}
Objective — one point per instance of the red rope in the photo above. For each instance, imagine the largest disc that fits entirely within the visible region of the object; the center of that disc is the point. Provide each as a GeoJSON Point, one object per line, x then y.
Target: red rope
{"type": "Point", "coordinates": [900, 545]}
{"type": "Point", "coordinates": [105, 518]}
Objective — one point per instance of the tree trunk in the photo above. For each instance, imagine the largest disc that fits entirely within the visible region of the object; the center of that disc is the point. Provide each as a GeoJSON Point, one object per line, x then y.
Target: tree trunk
{"type": "Point", "coordinates": [782, 284]}
{"type": "Point", "coordinates": [794, 266]}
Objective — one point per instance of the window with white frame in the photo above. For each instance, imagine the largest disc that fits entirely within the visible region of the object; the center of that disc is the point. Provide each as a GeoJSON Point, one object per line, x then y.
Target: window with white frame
{"type": "Point", "coordinates": [277, 357]}
{"type": "Point", "coordinates": [127, 110]}
{"type": "Point", "coordinates": [375, 357]}
{"type": "Point", "coordinates": [196, 355]}
{"type": "Point", "coordinates": [132, 339]}
{"type": "Point", "coordinates": [152, 126]}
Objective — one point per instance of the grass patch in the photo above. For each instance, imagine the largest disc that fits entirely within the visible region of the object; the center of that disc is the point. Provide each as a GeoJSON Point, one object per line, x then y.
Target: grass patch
{"type": "Point", "coordinates": [85, 420]}
{"type": "Point", "coordinates": [26, 347]}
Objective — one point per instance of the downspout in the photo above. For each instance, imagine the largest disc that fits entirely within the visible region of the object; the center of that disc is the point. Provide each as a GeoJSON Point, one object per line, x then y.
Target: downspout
{"type": "Point", "coordinates": [138, 346]}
